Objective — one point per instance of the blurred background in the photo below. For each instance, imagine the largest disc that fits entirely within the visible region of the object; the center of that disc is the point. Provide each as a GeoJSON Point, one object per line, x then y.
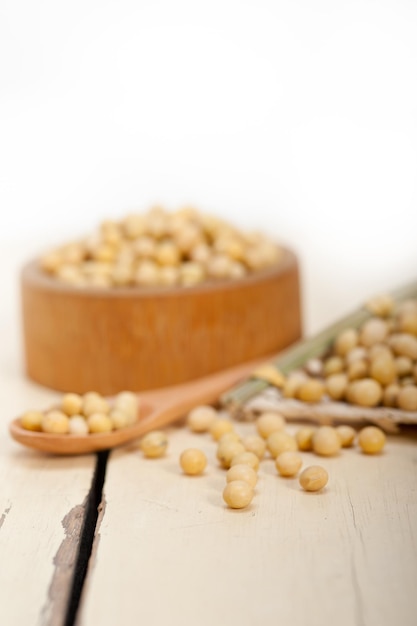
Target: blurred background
{"type": "Point", "coordinates": [293, 117]}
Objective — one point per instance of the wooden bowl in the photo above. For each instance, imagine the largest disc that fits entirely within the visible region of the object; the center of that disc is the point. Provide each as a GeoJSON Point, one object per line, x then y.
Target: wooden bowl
{"type": "Point", "coordinates": [144, 338]}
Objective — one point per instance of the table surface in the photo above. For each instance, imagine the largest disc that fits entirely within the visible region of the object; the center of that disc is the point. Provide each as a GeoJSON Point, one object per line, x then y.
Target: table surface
{"type": "Point", "coordinates": [165, 548]}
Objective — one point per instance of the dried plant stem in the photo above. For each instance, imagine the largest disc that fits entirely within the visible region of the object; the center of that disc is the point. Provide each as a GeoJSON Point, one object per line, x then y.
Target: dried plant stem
{"type": "Point", "coordinates": [301, 352]}
{"type": "Point", "coordinates": [293, 358]}
{"type": "Point", "coordinates": [332, 412]}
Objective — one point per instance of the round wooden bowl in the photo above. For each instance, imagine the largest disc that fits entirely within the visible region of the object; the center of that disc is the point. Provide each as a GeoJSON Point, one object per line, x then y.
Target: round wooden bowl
{"type": "Point", "coordinates": [135, 338]}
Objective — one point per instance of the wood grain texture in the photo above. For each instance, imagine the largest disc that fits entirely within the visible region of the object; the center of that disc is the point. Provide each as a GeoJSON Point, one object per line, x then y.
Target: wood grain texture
{"type": "Point", "coordinates": [110, 340]}
{"type": "Point", "coordinates": [168, 551]}
{"type": "Point", "coordinates": [41, 497]}
{"type": "Point", "coordinates": [42, 508]}
{"type": "Point", "coordinates": [171, 552]}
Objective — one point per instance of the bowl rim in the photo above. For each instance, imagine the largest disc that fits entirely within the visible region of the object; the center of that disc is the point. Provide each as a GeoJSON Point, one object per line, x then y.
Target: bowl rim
{"type": "Point", "coordinates": [32, 274]}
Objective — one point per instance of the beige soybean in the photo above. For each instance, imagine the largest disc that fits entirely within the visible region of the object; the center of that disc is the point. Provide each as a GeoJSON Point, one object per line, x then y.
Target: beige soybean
{"type": "Point", "coordinates": [381, 305]}
{"type": "Point", "coordinates": [99, 423]}
{"type": "Point", "coordinates": [346, 341]}
{"type": "Point", "coordinates": [71, 404]}
{"type": "Point", "coordinates": [407, 398]}
{"type": "Point", "coordinates": [144, 248]}
{"type": "Point", "coordinates": [357, 369]}
{"type": "Point", "coordinates": [255, 444]}
{"type": "Point", "coordinates": [311, 390]}
{"type": "Point", "coordinates": [154, 444]}
{"type": "Point", "coordinates": [229, 437]}
{"type": "Point", "coordinates": [188, 237]}
{"type": "Point", "coordinates": [134, 226]}
{"type": "Point", "coordinates": [313, 478]}
{"type": "Point", "coordinates": [336, 386]}
{"type": "Point", "coordinates": [326, 441]}
{"type": "Point", "coordinates": [99, 282]}
{"type": "Point", "coordinates": [404, 344]}
{"type": "Point", "coordinates": [291, 386]}
{"type": "Point", "coordinates": [365, 392]}
{"type": "Point", "coordinates": [201, 418]}
{"type": "Point", "coordinates": [93, 402]}
{"type": "Point", "coordinates": [51, 262]}
{"type": "Point", "coordinates": [304, 437]}
{"type": "Point", "coordinates": [242, 472]}
{"type": "Point", "coordinates": [245, 458]}
{"type": "Point", "coordinates": [147, 274]}
{"type": "Point", "coordinates": [407, 322]}
{"type": "Point", "coordinates": [169, 276]}
{"type": "Point", "coordinates": [403, 366]}
{"type": "Point", "coordinates": [104, 253]}
{"type": "Point", "coordinates": [157, 223]}
{"type": "Point", "coordinates": [55, 422]}
{"type": "Point", "coordinates": [356, 354]}
{"type": "Point", "coordinates": [167, 253]}
{"type": "Point", "coordinates": [119, 419]}
{"type": "Point", "coordinates": [406, 306]}
{"type": "Point", "coordinates": [128, 403]}
{"type": "Point", "coordinates": [371, 440]}
{"type": "Point", "coordinates": [346, 434]}
{"type": "Point", "coordinates": [314, 367]}
{"type": "Point", "coordinates": [280, 441]}
{"type": "Point", "coordinates": [200, 253]}
{"type": "Point", "coordinates": [268, 423]}
{"type": "Point", "coordinates": [219, 427]}
{"type": "Point", "coordinates": [226, 451]}
{"type": "Point", "coordinates": [288, 463]}
{"type": "Point", "coordinates": [383, 369]}
{"type": "Point", "coordinates": [32, 420]}
{"type": "Point", "coordinates": [193, 461]}
{"type": "Point", "coordinates": [238, 494]}
{"type": "Point", "coordinates": [237, 270]}
{"type": "Point", "coordinates": [122, 275]}
{"type": "Point", "coordinates": [373, 331]}
{"type": "Point", "coordinates": [390, 395]}
{"type": "Point", "coordinates": [69, 274]}
{"type": "Point", "coordinates": [191, 273]}
{"type": "Point", "coordinates": [378, 350]}
{"type": "Point", "coordinates": [218, 266]}
{"type": "Point", "coordinates": [77, 425]}
{"type": "Point", "coordinates": [333, 365]}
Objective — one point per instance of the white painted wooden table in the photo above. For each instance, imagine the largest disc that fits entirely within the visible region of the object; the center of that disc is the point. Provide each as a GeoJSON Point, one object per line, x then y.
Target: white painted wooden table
{"type": "Point", "coordinates": [166, 549]}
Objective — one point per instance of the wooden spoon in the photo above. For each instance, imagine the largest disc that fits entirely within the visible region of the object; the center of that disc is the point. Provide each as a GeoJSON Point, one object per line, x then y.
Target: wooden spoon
{"type": "Point", "coordinates": [158, 408]}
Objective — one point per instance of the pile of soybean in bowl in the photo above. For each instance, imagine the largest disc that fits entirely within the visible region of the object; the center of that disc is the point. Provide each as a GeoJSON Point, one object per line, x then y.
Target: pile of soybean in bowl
{"type": "Point", "coordinates": [373, 365]}
{"type": "Point", "coordinates": [160, 248]}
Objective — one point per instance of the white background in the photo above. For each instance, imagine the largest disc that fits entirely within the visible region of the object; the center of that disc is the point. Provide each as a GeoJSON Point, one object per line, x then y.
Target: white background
{"type": "Point", "coordinates": [298, 117]}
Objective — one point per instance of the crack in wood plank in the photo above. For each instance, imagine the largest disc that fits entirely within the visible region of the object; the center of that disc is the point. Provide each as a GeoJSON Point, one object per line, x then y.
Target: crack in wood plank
{"type": "Point", "coordinates": [54, 610]}
{"type": "Point", "coordinates": [92, 561]}
{"type": "Point", "coordinates": [4, 515]}
{"type": "Point", "coordinates": [72, 559]}
{"type": "Point", "coordinates": [357, 594]}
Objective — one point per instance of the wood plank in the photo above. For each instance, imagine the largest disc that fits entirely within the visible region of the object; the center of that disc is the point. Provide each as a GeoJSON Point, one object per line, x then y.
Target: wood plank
{"type": "Point", "coordinates": [42, 510]}
{"type": "Point", "coordinates": [41, 497]}
{"type": "Point", "coordinates": [169, 551]}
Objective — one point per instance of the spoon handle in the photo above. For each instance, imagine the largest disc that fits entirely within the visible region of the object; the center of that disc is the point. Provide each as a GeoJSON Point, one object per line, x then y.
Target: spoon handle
{"type": "Point", "coordinates": [159, 408]}
{"type": "Point", "coordinates": [174, 402]}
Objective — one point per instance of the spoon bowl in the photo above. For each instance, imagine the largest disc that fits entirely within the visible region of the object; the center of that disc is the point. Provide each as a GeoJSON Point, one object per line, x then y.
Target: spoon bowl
{"type": "Point", "coordinates": [158, 408]}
